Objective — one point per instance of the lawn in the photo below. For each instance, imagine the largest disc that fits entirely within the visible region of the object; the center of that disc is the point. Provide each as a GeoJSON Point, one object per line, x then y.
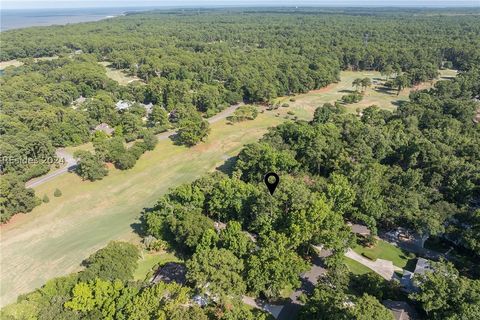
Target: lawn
{"type": "Point", "coordinates": [356, 267]}
{"type": "Point", "coordinates": [386, 251]}
{"type": "Point", "coordinates": [121, 76]}
{"type": "Point", "coordinates": [305, 104]}
{"type": "Point", "coordinates": [55, 237]}
{"type": "Point", "coordinates": [149, 261]}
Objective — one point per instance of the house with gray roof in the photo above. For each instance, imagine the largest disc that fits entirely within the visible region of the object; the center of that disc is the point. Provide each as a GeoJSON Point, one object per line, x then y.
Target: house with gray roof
{"type": "Point", "coordinates": [104, 128]}
{"type": "Point", "coordinates": [422, 267]}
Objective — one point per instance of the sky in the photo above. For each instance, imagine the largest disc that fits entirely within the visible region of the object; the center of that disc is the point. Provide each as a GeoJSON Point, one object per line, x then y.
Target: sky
{"type": "Point", "coordinates": [34, 4]}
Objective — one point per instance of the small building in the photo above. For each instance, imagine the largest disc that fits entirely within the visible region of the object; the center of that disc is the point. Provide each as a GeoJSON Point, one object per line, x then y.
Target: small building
{"type": "Point", "coordinates": [171, 272]}
{"type": "Point", "coordinates": [122, 105]}
{"type": "Point", "coordinates": [104, 128]}
{"type": "Point", "coordinates": [148, 107]}
{"type": "Point", "coordinates": [422, 266]}
{"type": "Point", "coordinates": [359, 229]}
{"type": "Point", "coordinates": [77, 102]}
{"type": "Point", "coordinates": [401, 310]}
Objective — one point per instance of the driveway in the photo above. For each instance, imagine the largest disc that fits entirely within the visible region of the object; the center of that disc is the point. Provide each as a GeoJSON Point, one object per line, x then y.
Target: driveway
{"type": "Point", "coordinates": [384, 268]}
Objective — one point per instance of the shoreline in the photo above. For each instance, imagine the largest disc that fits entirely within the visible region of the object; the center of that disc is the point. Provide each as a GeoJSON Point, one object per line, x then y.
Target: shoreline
{"type": "Point", "coordinates": [19, 19]}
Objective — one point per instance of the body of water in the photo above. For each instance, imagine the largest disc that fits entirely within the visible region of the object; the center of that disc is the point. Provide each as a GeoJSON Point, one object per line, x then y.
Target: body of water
{"type": "Point", "coordinates": [22, 18]}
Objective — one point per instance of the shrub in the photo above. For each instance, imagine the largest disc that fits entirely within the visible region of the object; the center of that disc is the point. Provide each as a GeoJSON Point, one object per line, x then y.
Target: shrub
{"type": "Point", "coordinates": [285, 105]}
{"type": "Point", "coordinates": [138, 149]}
{"type": "Point", "coordinates": [352, 98]}
{"type": "Point", "coordinates": [125, 161]}
{"type": "Point", "coordinates": [369, 256]}
{"type": "Point", "coordinates": [150, 140]}
{"type": "Point", "coordinates": [292, 100]}
{"type": "Point", "coordinates": [57, 193]}
{"type": "Point", "coordinates": [46, 199]}
{"type": "Point", "coordinates": [291, 113]}
{"type": "Point", "coordinates": [243, 113]}
{"type": "Point", "coordinates": [90, 166]}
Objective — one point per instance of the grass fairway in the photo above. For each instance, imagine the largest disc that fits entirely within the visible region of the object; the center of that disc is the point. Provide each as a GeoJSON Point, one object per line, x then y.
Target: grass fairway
{"type": "Point", "coordinates": [386, 251]}
{"type": "Point", "coordinates": [305, 104]}
{"type": "Point", "coordinates": [55, 237]}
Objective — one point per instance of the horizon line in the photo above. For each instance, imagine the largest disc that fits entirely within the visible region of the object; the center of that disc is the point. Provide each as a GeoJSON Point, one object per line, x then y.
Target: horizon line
{"type": "Point", "coordinates": [147, 7]}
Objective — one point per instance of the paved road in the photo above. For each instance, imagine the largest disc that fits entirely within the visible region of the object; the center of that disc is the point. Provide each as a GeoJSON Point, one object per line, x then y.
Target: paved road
{"type": "Point", "coordinates": [70, 162]}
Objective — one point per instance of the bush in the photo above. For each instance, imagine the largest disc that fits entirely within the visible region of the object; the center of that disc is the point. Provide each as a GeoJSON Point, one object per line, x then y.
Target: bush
{"type": "Point", "coordinates": [285, 105]}
{"type": "Point", "coordinates": [46, 199]}
{"type": "Point", "coordinates": [57, 193]}
{"type": "Point", "coordinates": [126, 161]}
{"type": "Point", "coordinates": [138, 149]}
{"type": "Point", "coordinates": [369, 256]}
{"type": "Point", "coordinates": [89, 166]}
{"type": "Point", "coordinates": [150, 140]}
{"type": "Point", "coordinates": [352, 98]}
{"type": "Point", "coordinates": [244, 113]}
{"type": "Point", "coordinates": [292, 100]}
{"type": "Point", "coordinates": [291, 113]}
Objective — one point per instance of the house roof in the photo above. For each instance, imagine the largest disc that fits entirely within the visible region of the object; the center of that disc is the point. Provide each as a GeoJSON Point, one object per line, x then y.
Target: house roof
{"type": "Point", "coordinates": [122, 105]}
{"type": "Point", "coordinates": [423, 265]}
{"type": "Point", "coordinates": [105, 128]}
{"type": "Point", "coordinates": [401, 310]}
{"type": "Point", "coordinates": [360, 229]}
{"type": "Point", "coordinates": [170, 272]}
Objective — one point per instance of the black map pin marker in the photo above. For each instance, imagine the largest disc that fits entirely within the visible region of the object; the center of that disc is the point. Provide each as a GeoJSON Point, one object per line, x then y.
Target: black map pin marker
{"type": "Point", "coordinates": [272, 185]}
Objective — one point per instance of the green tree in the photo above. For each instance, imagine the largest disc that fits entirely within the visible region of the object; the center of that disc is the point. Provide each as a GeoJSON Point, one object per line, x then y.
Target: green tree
{"type": "Point", "coordinates": [192, 130]}
{"type": "Point", "coordinates": [216, 272]}
{"type": "Point", "coordinates": [444, 294]}
{"type": "Point", "coordinates": [274, 267]}
{"type": "Point", "coordinates": [158, 117]}
{"type": "Point", "coordinates": [118, 260]}
{"type": "Point", "coordinates": [89, 166]}
{"type": "Point", "coordinates": [57, 193]}
{"type": "Point", "coordinates": [236, 240]}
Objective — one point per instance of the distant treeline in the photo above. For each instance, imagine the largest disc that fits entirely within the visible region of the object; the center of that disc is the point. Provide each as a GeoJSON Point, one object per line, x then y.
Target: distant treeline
{"type": "Point", "coordinates": [196, 63]}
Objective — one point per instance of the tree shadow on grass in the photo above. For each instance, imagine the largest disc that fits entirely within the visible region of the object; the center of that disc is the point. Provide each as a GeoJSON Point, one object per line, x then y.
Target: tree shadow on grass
{"type": "Point", "coordinates": [385, 90]}
{"type": "Point", "coordinates": [140, 227]}
{"type": "Point", "coordinates": [347, 91]}
{"type": "Point", "coordinates": [399, 103]}
{"type": "Point", "coordinates": [228, 166]}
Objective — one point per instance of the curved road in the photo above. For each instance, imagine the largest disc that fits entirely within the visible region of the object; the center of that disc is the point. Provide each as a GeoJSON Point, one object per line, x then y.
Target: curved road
{"type": "Point", "coordinates": [71, 162]}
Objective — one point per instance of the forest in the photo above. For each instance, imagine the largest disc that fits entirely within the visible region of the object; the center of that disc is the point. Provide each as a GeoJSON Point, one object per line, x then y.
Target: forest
{"type": "Point", "coordinates": [193, 64]}
{"type": "Point", "coordinates": [417, 167]}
